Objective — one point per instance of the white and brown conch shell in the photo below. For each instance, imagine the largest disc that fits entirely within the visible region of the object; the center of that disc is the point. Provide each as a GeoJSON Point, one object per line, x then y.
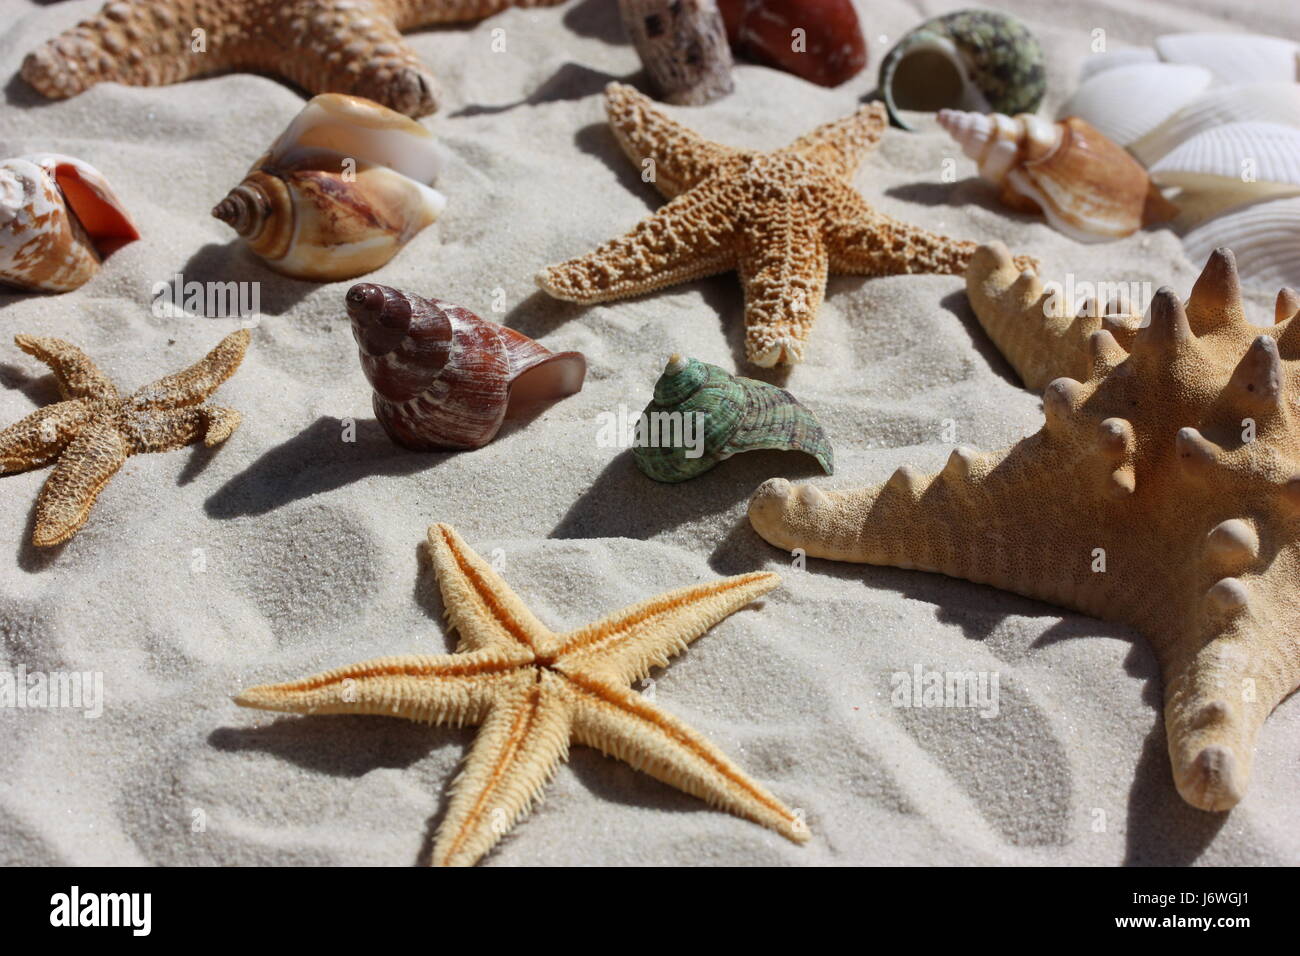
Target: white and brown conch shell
{"type": "Point", "coordinates": [443, 378]}
{"type": "Point", "coordinates": [1087, 186]}
{"type": "Point", "coordinates": [339, 193]}
{"type": "Point", "coordinates": [58, 219]}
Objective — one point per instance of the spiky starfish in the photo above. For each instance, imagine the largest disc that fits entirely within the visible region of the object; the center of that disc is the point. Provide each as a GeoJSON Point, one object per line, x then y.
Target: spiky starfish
{"type": "Point", "coordinates": [533, 691]}
{"type": "Point", "coordinates": [1162, 492]}
{"type": "Point", "coordinates": [323, 46]}
{"type": "Point", "coordinates": [91, 433]}
{"type": "Point", "coordinates": [782, 219]}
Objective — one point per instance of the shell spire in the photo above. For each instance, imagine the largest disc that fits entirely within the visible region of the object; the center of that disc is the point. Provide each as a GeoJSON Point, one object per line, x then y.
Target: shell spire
{"type": "Point", "coordinates": [443, 378]}
{"type": "Point", "coordinates": [1144, 456]}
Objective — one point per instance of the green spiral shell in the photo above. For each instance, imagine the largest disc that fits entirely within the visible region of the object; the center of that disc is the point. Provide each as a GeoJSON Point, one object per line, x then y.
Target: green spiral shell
{"type": "Point", "coordinates": [702, 414]}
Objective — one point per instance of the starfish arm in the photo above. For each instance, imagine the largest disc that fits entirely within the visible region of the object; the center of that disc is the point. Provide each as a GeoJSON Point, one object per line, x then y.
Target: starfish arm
{"type": "Point", "coordinates": [76, 374]}
{"type": "Point", "coordinates": [841, 145]}
{"type": "Point", "coordinates": [676, 158]}
{"type": "Point", "coordinates": [409, 14]}
{"type": "Point", "coordinates": [480, 606]}
{"type": "Point", "coordinates": [194, 384]}
{"type": "Point", "coordinates": [82, 471]}
{"type": "Point", "coordinates": [37, 439]}
{"type": "Point", "coordinates": [864, 242]}
{"type": "Point", "coordinates": [628, 644]}
{"type": "Point", "coordinates": [167, 429]}
{"type": "Point", "coordinates": [689, 238]}
{"type": "Point", "coordinates": [446, 689]}
{"type": "Point", "coordinates": [524, 737]}
{"type": "Point", "coordinates": [623, 724]}
{"type": "Point", "coordinates": [783, 267]}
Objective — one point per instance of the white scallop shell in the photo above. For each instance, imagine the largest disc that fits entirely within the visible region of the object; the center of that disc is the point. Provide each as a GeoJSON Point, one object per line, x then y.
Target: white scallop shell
{"type": "Point", "coordinates": [1230, 166]}
{"type": "Point", "coordinates": [1264, 237]}
{"type": "Point", "coordinates": [1254, 102]}
{"type": "Point", "coordinates": [1233, 58]}
{"type": "Point", "coordinates": [1127, 102]}
{"type": "Point", "coordinates": [1127, 56]}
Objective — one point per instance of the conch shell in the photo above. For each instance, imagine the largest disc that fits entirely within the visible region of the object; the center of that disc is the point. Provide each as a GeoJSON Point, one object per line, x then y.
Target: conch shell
{"type": "Point", "coordinates": [58, 219]}
{"type": "Point", "coordinates": [1087, 186]}
{"type": "Point", "coordinates": [339, 193]}
{"type": "Point", "coordinates": [702, 414]}
{"type": "Point", "coordinates": [443, 378]}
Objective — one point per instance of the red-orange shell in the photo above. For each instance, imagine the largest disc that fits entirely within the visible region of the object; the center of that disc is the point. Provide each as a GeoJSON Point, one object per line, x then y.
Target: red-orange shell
{"type": "Point", "coordinates": [443, 378]}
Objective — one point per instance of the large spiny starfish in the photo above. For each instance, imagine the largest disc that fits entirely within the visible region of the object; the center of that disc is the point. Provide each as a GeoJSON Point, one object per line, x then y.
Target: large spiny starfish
{"type": "Point", "coordinates": [533, 691]}
{"type": "Point", "coordinates": [782, 219]}
{"type": "Point", "coordinates": [324, 46]}
{"type": "Point", "coordinates": [1162, 492]}
{"type": "Point", "coordinates": [91, 433]}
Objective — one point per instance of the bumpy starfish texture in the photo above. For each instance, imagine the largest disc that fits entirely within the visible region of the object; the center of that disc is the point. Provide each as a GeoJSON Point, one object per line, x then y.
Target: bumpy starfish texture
{"type": "Point", "coordinates": [782, 219]}
{"type": "Point", "coordinates": [91, 433]}
{"type": "Point", "coordinates": [532, 692]}
{"type": "Point", "coordinates": [1163, 492]}
{"type": "Point", "coordinates": [324, 46]}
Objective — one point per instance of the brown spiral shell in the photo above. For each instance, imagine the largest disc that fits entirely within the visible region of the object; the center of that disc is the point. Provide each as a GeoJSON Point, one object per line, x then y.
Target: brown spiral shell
{"type": "Point", "coordinates": [445, 379]}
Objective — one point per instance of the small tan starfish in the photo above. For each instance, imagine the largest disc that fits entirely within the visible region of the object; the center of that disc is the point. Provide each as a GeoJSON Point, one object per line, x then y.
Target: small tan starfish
{"type": "Point", "coordinates": [323, 46]}
{"type": "Point", "coordinates": [92, 432]}
{"type": "Point", "coordinates": [533, 691]}
{"type": "Point", "coordinates": [782, 219]}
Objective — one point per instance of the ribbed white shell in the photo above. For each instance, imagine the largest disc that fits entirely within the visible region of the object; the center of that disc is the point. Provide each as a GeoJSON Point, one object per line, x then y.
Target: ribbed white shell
{"type": "Point", "coordinates": [1264, 237]}
{"type": "Point", "coordinates": [1233, 58]}
{"type": "Point", "coordinates": [1127, 102]}
{"type": "Point", "coordinates": [1254, 102]}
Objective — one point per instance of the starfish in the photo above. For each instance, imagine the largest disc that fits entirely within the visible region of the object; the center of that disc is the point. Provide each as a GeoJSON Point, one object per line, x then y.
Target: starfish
{"type": "Point", "coordinates": [782, 219]}
{"type": "Point", "coordinates": [1162, 492]}
{"type": "Point", "coordinates": [532, 692]}
{"type": "Point", "coordinates": [323, 46]}
{"type": "Point", "coordinates": [91, 433]}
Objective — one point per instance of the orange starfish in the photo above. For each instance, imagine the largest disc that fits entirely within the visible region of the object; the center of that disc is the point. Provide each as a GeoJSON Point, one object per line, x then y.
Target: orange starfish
{"type": "Point", "coordinates": [782, 219]}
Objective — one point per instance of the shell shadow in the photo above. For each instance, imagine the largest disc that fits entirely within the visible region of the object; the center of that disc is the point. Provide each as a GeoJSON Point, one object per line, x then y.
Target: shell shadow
{"type": "Point", "coordinates": [223, 263]}
{"type": "Point", "coordinates": [598, 20]}
{"type": "Point", "coordinates": [20, 93]}
{"type": "Point", "coordinates": [570, 82]}
{"type": "Point", "coordinates": [971, 191]}
{"type": "Point", "coordinates": [603, 511]}
{"type": "Point", "coordinates": [314, 461]}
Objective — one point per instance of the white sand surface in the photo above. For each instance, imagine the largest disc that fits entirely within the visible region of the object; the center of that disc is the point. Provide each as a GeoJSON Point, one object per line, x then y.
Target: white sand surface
{"type": "Point", "coordinates": [288, 550]}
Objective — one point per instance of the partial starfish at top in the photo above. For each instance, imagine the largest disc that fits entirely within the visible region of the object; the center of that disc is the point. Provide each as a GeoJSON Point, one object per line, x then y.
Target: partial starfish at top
{"type": "Point", "coordinates": [324, 46]}
{"type": "Point", "coordinates": [782, 219]}
{"type": "Point", "coordinates": [532, 692]}
{"type": "Point", "coordinates": [1163, 491]}
{"type": "Point", "coordinates": [90, 434]}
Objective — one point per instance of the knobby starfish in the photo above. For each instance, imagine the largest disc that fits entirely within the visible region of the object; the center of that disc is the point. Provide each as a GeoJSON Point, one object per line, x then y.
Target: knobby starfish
{"type": "Point", "coordinates": [782, 219]}
{"type": "Point", "coordinates": [1162, 492]}
{"type": "Point", "coordinates": [533, 691]}
{"type": "Point", "coordinates": [91, 433]}
{"type": "Point", "coordinates": [323, 46]}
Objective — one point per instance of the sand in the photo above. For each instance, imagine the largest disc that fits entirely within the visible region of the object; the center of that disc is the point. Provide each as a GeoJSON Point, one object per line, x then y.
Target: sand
{"type": "Point", "coordinates": [289, 550]}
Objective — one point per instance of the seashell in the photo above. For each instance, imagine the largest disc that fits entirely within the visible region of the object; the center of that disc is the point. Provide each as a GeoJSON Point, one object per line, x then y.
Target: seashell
{"type": "Point", "coordinates": [442, 377]}
{"type": "Point", "coordinates": [340, 191]}
{"type": "Point", "coordinates": [1264, 236]}
{"type": "Point", "coordinates": [976, 60]}
{"type": "Point", "coordinates": [714, 415]}
{"type": "Point", "coordinates": [1255, 103]}
{"type": "Point", "coordinates": [1088, 187]}
{"type": "Point", "coordinates": [829, 49]}
{"type": "Point", "coordinates": [683, 47]}
{"type": "Point", "coordinates": [1233, 58]}
{"type": "Point", "coordinates": [1128, 102]}
{"type": "Point", "coordinates": [1230, 166]}
{"type": "Point", "coordinates": [1125, 56]}
{"type": "Point", "coordinates": [58, 219]}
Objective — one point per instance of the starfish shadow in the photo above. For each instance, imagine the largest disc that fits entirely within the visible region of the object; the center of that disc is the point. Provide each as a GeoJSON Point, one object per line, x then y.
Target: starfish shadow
{"type": "Point", "coordinates": [603, 511]}
{"type": "Point", "coordinates": [314, 461]}
{"type": "Point", "coordinates": [232, 262]}
{"type": "Point", "coordinates": [959, 305]}
{"type": "Point", "coordinates": [570, 82]}
{"type": "Point", "coordinates": [598, 20]}
{"type": "Point", "coordinates": [1162, 828]}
